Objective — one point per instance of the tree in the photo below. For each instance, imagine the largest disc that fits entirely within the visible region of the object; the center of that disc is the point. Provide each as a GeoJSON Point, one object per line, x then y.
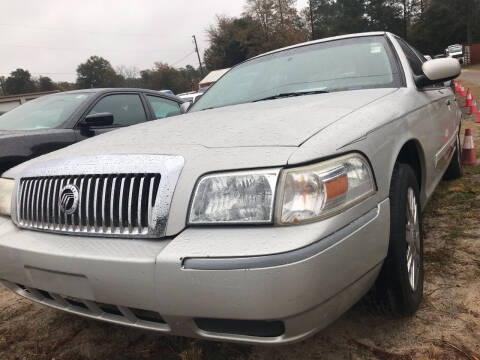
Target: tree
{"type": "Point", "coordinates": [97, 72]}
{"type": "Point", "coordinates": [65, 86]}
{"type": "Point", "coordinates": [129, 75]}
{"type": "Point", "coordinates": [263, 12]}
{"type": "Point", "coordinates": [350, 16]}
{"type": "Point", "coordinates": [191, 75]}
{"type": "Point", "coordinates": [279, 20]}
{"type": "Point", "coordinates": [233, 40]}
{"type": "Point", "coordinates": [384, 15]}
{"type": "Point", "coordinates": [323, 17]}
{"type": "Point", "coordinates": [2, 86]}
{"type": "Point", "coordinates": [19, 82]}
{"type": "Point", "coordinates": [44, 83]}
{"type": "Point", "coordinates": [163, 77]}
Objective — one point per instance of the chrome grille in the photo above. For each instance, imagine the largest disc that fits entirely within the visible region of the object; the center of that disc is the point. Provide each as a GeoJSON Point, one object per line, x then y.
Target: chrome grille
{"type": "Point", "coordinates": [119, 204]}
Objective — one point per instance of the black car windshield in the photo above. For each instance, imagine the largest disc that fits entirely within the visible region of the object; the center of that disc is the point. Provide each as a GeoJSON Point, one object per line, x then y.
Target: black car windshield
{"type": "Point", "coordinates": [47, 112]}
{"type": "Point", "coordinates": [339, 65]}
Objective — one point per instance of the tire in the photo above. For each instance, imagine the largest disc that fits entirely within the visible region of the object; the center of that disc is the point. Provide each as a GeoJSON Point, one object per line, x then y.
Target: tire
{"type": "Point", "coordinates": [397, 292]}
{"type": "Point", "coordinates": [455, 170]}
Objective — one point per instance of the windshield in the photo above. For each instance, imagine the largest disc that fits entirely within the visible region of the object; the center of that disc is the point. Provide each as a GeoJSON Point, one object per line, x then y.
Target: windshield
{"type": "Point", "coordinates": [46, 112]}
{"type": "Point", "coordinates": [348, 64]}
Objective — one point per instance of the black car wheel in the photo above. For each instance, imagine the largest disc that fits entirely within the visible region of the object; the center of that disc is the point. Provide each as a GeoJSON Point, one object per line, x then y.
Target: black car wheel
{"type": "Point", "coordinates": [399, 287]}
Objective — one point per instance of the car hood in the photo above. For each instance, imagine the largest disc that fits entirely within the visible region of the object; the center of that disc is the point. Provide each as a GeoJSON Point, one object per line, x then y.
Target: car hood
{"type": "Point", "coordinates": [7, 134]}
{"type": "Point", "coordinates": [10, 134]}
{"type": "Point", "coordinates": [215, 134]}
{"type": "Point", "coordinates": [281, 122]}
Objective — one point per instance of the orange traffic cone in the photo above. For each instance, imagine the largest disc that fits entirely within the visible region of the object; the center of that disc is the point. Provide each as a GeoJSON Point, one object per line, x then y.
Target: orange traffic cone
{"type": "Point", "coordinates": [478, 119]}
{"type": "Point", "coordinates": [468, 149]}
{"type": "Point", "coordinates": [468, 103]}
{"type": "Point", "coordinates": [462, 90]}
{"type": "Point", "coordinates": [457, 88]}
{"type": "Point", "coordinates": [474, 107]}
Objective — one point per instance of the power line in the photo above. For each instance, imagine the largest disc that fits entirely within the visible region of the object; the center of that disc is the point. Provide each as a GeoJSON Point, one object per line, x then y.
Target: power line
{"type": "Point", "coordinates": [77, 30]}
{"type": "Point", "coordinates": [86, 49]}
{"type": "Point", "coordinates": [183, 58]}
{"type": "Point", "coordinates": [43, 73]}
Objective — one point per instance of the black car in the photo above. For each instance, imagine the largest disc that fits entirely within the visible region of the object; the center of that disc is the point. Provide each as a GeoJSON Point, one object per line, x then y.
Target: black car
{"type": "Point", "coordinates": [55, 121]}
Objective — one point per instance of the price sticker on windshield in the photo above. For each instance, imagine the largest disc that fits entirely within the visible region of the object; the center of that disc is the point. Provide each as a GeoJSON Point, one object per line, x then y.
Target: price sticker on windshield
{"type": "Point", "coordinates": [375, 49]}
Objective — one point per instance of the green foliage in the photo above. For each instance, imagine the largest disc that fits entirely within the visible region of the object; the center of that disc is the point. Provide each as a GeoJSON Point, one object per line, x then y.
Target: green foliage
{"type": "Point", "coordinates": [233, 41]}
{"type": "Point", "coordinates": [446, 22]}
{"type": "Point", "coordinates": [265, 25]}
{"type": "Point", "coordinates": [163, 77]}
{"type": "Point", "coordinates": [20, 81]}
{"type": "Point", "coordinates": [97, 72]}
{"type": "Point", "coordinates": [44, 83]}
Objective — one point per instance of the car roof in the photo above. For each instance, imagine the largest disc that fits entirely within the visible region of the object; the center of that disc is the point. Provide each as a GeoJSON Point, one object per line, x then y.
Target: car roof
{"type": "Point", "coordinates": [120, 90]}
{"type": "Point", "coordinates": [348, 36]}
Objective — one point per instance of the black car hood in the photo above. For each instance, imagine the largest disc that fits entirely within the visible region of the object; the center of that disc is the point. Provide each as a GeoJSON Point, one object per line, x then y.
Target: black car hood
{"type": "Point", "coordinates": [19, 146]}
{"type": "Point", "coordinates": [5, 134]}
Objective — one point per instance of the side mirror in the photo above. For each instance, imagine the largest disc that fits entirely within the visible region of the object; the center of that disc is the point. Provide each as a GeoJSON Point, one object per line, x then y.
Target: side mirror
{"type": "Point", "coordinates": [438, 70]}
{"type": "Point", "coordinates": [98, 120]}
{"type": "Point", "coordinates": [185, 106]}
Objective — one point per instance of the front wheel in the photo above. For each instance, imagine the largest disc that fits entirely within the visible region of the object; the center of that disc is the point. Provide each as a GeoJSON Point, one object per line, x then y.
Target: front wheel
{"type": "Point", "coordinates": [399, 287]}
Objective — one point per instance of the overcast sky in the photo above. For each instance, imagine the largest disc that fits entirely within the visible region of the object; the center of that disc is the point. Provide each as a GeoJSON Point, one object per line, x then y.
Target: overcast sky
{"type": "Point", "coordinates": [51, 37]}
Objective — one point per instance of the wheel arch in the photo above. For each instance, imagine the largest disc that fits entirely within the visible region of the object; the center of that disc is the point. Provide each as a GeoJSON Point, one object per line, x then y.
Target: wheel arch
{"type": "Point", "coordinates": [412, 153]}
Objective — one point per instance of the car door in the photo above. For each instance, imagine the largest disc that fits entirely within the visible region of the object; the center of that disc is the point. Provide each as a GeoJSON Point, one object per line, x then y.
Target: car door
{"type": "Point", "coordinates": [162, 107]}
{"type": "Point", "coordinates": [441, 110]}
{"type": "Point", "coordinates": [127, 109]}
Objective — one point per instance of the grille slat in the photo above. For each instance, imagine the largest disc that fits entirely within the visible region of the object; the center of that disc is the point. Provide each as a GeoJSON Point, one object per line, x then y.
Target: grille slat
{"type": "Point", "coordinates": [104, 205]}
{"type": "Point", "coordinates": [139, 205]}
{"type": "Point", "coordinates": [87, 207]}
{"type": "Point", "coordinates": [112, 204]}
{"type": "Point", "coordinates": [150, 197]}
{"type": "Point", "coordinates": [57, 205]}
{"type": "Point", "coordinates": [130, 200]}
{"type": "Point", "coordinates": [25, 186]}
{"type": "Point", "coordinates": [120, 208]}
{"type": "Point", "coordinates": [80, 207]}
{"type": "Point", "coordinates": [32, 206]}
{"type": "Point", "coordinates": [48, 201]}
{"type": "Point", "coordinates": [95, 205]}
{"type": "Point", "coordinates": [119, 204]}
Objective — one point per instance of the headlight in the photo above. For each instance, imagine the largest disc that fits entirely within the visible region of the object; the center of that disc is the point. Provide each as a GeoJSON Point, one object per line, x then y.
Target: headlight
{"type": "Point", "coordinates": [6, 191]}
{"type": "Point", "coordinates": [236, 197]}
{"type": "Point", "coordinates": [313, 192]}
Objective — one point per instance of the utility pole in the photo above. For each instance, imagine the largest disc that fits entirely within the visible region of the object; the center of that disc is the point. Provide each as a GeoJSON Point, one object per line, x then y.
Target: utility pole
{"type": "Point", "coordinates": [311, 19]}
{"type": "Point", "coordinates": [198, 54]}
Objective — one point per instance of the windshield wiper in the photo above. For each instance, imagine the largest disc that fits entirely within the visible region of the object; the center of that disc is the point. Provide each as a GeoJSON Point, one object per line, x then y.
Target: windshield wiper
{"type": "Point", "coordinates": [292, 94]}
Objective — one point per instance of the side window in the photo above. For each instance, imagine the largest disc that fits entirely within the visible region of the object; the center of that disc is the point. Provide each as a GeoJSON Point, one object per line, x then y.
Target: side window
{"type": "Point", "coordinates": [413, 59]}
{"type": "Point", "coordinates": [162, 107]}
{"type": "Point", "coordinates": [127, 109]}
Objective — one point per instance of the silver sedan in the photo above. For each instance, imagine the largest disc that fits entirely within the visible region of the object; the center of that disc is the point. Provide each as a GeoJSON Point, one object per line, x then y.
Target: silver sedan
{"type": "Point", "coordinates": [290, 190]}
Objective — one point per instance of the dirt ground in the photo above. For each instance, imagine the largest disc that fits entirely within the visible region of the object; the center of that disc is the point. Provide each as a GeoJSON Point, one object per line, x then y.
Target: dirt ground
{"type": "Point", "coordinates": [447, 326]}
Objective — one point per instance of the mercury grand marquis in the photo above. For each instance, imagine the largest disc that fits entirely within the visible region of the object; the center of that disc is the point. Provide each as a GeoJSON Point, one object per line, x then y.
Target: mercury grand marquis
{"type": "Point", "coordinates": [291, 189]}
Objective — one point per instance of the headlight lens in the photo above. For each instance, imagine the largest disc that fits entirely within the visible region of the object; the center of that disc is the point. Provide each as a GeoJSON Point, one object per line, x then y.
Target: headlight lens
{"type": "Point", "coordinates": [236, 197]}
{"type": "Point", "coordinates": [6, 191]}
{"type": "Point", "coordinates": [317, 191]}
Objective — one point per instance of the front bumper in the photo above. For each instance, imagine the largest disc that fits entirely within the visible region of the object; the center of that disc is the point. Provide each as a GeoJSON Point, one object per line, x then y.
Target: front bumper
{"type": "Point", "coordinates": [185, 287]}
